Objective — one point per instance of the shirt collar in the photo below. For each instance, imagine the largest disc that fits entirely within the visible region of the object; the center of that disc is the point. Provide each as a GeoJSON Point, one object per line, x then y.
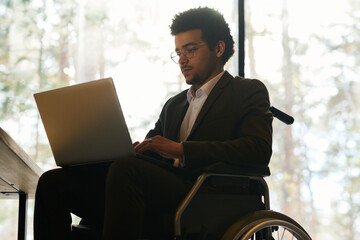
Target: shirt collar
{"type": "Point", "coordinates": [205, 89]}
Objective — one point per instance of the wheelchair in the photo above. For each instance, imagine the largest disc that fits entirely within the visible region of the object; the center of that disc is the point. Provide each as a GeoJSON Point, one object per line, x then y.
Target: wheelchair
{"type": "Point", "coordinates": [214, 207]}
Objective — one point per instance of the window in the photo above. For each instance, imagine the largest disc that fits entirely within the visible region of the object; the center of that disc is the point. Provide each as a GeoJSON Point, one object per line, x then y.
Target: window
{"type": "Point", "coordinates": [306, 53]}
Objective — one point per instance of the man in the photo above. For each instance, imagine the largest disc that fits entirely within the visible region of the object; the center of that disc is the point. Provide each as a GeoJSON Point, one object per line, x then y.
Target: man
{"type": "Point", "coordinates": [220, 118]}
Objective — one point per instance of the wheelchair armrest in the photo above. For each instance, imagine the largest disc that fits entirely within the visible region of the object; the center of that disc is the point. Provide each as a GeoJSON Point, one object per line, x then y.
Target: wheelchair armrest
{"type": "Point", "coordinates": [223, 168]}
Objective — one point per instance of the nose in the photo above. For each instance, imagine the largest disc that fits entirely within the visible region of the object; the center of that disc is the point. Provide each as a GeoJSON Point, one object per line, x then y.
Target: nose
{"type": "Point", "coordinates": [183, 59]}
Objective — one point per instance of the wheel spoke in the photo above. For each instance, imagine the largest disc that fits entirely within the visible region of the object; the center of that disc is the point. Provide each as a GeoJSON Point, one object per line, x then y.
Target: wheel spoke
{"type": "Point", "coordinates": [282, 237]}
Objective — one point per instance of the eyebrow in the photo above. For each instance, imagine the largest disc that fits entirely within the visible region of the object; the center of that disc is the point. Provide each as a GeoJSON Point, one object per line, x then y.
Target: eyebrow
{"type": "Point", "coordinates": [186, 45]}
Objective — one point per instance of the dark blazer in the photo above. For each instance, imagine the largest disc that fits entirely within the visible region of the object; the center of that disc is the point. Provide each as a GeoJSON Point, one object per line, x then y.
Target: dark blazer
{"type": "Point", "coordinates": [234, 126]}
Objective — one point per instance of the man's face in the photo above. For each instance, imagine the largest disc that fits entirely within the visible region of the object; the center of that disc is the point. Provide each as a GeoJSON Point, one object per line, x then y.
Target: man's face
{"type": "Point", "coordinates": [203, 65]}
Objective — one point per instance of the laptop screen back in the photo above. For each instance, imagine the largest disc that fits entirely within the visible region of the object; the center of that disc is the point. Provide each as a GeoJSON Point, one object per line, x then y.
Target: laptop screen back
{"type": "Point", "coordinates": [84, 123]}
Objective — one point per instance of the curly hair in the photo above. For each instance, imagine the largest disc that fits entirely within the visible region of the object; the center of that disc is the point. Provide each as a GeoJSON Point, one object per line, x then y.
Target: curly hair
{"type": "Point", "coordinates": [212, 25]}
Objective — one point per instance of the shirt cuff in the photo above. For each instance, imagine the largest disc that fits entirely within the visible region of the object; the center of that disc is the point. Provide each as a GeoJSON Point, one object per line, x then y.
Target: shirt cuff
{"type": "Point", "coordinates": [179, 162]}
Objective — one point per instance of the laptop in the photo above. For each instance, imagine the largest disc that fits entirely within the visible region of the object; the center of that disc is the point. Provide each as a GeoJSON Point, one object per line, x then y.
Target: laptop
{"type": "Point", "coordinates": [85, 124]}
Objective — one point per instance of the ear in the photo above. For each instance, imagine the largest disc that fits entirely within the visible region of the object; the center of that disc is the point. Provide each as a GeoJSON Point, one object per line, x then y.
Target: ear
{"type": "Point", "coordinates": [220, 48]}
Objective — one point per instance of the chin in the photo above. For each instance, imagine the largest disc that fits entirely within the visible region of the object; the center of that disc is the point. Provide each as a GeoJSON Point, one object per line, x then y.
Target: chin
{"type": "Point", "coordinates": [189, 79]}
{"type": "Point", "coordinates": [193, 80]}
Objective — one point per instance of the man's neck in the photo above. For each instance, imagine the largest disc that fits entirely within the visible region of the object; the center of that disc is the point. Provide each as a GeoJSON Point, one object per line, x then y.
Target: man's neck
{"type": "Point", "coordinates": [215, 78]}
{"type": "Point", "coordinates": [214, 74]}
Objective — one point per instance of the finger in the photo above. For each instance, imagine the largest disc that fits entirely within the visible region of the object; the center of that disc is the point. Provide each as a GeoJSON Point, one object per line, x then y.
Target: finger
{"type": "Point", "coordinates": [143, 146]}
{"type": "Point", "coordinates": [139, 146]}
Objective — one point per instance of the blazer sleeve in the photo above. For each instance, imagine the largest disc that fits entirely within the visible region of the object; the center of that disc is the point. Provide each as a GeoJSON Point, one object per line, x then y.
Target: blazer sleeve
{"type": "Point", "coordinates": [237, 130]}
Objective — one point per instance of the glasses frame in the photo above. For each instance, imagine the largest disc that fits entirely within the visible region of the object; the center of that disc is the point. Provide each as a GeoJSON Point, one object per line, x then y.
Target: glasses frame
{"type": "Point", "coordinates": [188, 51]}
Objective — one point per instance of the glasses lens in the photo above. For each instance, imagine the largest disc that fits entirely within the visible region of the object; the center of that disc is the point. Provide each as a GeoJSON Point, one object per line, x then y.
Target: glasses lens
{"type": "Point", "coordinates": [175, 57]}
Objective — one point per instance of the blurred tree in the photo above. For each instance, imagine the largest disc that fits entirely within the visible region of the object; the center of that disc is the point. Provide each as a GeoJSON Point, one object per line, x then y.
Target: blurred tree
{"type": "Point", "coordinates": [291, 178]}
{"type": "Point", "coordinates": [343, 121]}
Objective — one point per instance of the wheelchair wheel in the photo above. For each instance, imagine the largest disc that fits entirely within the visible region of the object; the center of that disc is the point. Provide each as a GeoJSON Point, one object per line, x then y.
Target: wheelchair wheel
{"type": "Point", "coordinates": [266, 225]}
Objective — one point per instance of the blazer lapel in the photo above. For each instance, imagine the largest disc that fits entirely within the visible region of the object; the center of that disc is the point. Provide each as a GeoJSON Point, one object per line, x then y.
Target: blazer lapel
{"type": "Point", "coordinates": [214, 94]}
{"type": "Point", "coordinates": [174, 128]}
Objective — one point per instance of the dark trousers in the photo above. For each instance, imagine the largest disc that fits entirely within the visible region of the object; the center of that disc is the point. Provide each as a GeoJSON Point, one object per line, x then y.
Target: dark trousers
{"type": "Point", "coordinates": [126, 199]}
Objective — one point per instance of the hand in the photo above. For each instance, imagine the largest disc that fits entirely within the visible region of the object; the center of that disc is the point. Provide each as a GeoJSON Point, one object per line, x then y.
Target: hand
{"type": "Point", "coordinates": [160, 145]}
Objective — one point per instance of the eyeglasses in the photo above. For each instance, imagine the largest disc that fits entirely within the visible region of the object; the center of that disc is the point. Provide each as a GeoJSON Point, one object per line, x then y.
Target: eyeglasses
{"type": "Point", "coordinates": [187, 51]}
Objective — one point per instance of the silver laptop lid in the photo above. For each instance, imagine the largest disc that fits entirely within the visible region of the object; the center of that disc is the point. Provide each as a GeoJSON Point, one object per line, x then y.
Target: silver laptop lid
{"type": "Point", "coordinates": [84, 123]}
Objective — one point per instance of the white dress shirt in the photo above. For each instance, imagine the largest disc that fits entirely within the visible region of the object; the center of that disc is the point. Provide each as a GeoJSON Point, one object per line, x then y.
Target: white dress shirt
{"type": "Point", "coordinates": [196, 101]}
